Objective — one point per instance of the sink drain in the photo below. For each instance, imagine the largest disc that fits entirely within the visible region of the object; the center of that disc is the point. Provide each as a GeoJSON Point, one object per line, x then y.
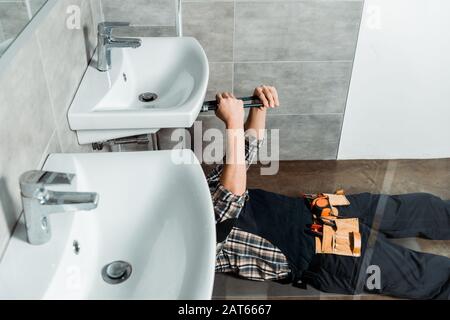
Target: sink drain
{"type": "Point", "coordinates": [148, 97]}
{"type": "Point", "coordinates": [116, 272]}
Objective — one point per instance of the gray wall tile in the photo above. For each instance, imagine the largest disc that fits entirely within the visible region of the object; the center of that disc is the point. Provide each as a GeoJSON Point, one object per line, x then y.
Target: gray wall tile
{"type": "Point", "coordinates": [68, 139]}
{"type": "Point", "coordinates": [53, 146]}
{"type": "Point", "coordinates": [27, 125]}
{"type": "Point", "coordinates": [220, 79]}
{"type": "Point", "coordinates": [65, 52]}
{"type": "Point", "coordinates": [141, 12]}
{"type": "Point", "coordinates": [301, 137]}
{"type": "Point", "coordinates": [293, 31]}
{"type": "Point", "coordinates": [65, 66]}
{"type": "Point", "coordinates": [165, 139]}
{"type": "Point", "coordinates": [145, 31]}
{"type": "Point", "coordinates": [97, 12]}
{"type": "Point", "coordinates": [186, 1]}
{"type": "Point", "coordinates": [212, 24]}
{"type": "Point", "coordinates": [304, 87]}
{"type": "Point", "coordinates": [290, 0]}
{"type": "Point", "coordinates": [13, 18]}
{"type": "Point", "coordinates": [306, 137]}
{"type": "Point", "coordinates": [36, 5]}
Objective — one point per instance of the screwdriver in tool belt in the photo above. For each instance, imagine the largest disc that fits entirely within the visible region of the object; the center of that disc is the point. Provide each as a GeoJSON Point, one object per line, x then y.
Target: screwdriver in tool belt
{"type": "Point", "coordinates": [317, 229]}
{"type": "Point", "coordinates": [328, 222]}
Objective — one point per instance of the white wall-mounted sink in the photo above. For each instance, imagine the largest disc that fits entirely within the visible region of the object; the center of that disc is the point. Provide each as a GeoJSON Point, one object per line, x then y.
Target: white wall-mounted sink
{"type": "Point", "coordinates": [107, 104]}
{"type": "Point", "coordinates": [152, 213]}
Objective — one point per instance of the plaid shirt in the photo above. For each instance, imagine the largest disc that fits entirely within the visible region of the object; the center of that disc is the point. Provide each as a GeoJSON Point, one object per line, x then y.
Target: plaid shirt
{"type": "Point", "coordinates": [245, 254]}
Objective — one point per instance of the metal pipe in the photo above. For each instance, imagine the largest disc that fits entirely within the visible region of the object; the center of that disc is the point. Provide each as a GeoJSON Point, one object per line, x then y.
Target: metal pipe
{"type": "Point", "coordinates": [212, 105]}
{"type": "Point", "coordinates": [115, 145]}
{"type": "Point", "coordinates": [178, 18]}
{"type": "Point", "coordinates": [155, 141]}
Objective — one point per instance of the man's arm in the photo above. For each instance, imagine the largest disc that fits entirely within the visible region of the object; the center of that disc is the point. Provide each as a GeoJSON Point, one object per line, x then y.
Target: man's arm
{"type": "Point", "coordinates": [234, 174]}
{"type": "Point", "coordinates": [229, 203]}
{"type": "Point", "coordinates": [228, 182]}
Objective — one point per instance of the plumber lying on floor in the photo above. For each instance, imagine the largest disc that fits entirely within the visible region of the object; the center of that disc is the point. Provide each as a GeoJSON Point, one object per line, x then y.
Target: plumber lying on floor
{"type": "Point", "coordinates": [336, 243]}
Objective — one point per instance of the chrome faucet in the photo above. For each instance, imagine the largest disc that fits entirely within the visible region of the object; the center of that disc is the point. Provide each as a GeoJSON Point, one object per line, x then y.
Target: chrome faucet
{"type": "Point", "coordinates": [38, 202]}
{"type": "Point", "coordinates": [106, 41]}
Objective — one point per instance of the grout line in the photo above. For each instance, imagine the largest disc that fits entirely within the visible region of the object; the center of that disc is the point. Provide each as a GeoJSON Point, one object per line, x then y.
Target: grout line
{"type": "Point", "coordinates": [290, 114]}
{"type": "Point", "coordinates": [151, 26]}
{"type": "Point", "coordinates": [47, 85]}
{"type": "Point", "coordinates": [220, 62]}
{"type": "Point", "coordinates": [203, 1]}
{"type": "Point", "coordinates": [296, 61]}
{"type": "Point", "coordinates": [28, 8]}
{"type": "Point", "coordinates": [285, 61]}
{"type": "Point", "coordinates": [263, 1]}
{"type": "Point", "coordinates": [46, 149]}
{"type": "Point", "coordinates": [234, 46]}
{"type": "Point", "coordinates": [2, 33]}
{"type": "Point", "coordinates": [102, 14]}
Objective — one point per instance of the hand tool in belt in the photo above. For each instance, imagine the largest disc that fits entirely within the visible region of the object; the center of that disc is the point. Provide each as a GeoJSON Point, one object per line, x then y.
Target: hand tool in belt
{"type": "Point", "coordinates": [334, 235]}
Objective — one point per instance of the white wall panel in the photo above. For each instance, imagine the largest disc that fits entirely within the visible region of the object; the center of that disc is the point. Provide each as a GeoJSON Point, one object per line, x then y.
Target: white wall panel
{"type": "Point", "coordinates": [399, 99]}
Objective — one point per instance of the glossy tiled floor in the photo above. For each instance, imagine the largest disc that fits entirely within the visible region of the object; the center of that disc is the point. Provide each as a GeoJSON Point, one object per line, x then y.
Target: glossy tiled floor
{"type": "Point", "coordinates": [391, 177]}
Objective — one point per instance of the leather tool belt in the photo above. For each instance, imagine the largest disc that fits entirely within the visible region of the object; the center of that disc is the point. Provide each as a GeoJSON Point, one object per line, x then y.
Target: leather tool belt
{"type": "Point", "coordinates": [333, 235]}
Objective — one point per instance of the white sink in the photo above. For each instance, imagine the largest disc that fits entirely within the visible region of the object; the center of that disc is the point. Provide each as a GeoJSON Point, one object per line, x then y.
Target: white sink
{"type": "Point", "coordinates": [152, 213]}
{"type": "Point", "coordinates": [107, 104]}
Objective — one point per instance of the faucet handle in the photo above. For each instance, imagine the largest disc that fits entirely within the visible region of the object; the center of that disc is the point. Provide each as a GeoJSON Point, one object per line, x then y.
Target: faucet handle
{"type": "Point", "coordinates": [106, 27]}
{"type": "Point", "coordinates": [37, 179]}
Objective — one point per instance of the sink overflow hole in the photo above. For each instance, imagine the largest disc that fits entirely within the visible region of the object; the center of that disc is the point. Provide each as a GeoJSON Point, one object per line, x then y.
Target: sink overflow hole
{"type": "Point", "coordinates": [148, 97]}
{"type": "Point", "coordinates": [116, 272]}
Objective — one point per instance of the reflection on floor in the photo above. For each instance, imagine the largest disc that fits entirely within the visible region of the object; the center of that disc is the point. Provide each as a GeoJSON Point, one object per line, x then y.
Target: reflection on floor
{"type": "Point", "coordinates": [390, 177]}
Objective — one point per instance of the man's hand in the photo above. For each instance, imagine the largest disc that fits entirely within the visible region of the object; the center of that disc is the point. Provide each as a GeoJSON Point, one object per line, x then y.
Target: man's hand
{"type": "Point", "coordinates": [230, 110]}
{"type": "Point", "coordinates": [256, 122]}
{"type": "Point", "coordinates": [268, 96]}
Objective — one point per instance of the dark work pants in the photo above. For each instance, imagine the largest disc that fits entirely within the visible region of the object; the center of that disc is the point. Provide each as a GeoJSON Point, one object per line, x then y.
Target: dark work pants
{"type": "Point", "coordinates": [404, 273]}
